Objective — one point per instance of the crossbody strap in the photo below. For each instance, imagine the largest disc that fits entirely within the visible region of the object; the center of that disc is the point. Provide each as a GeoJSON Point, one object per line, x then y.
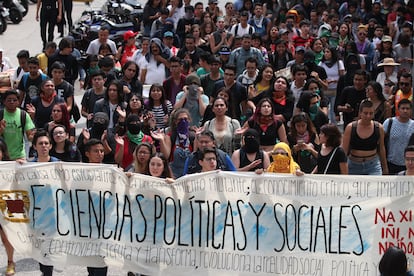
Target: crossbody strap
{"type": "Point", "coordinates": [330, 160]}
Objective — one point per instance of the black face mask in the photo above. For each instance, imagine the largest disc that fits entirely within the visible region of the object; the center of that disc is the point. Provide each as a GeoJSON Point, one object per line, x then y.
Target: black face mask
{"type": "Point", "coordinates": [251, 145]}
{"type": "Point", "coordinates": [353, 67]}
{"type": "Point", "coordinates": [134, 128]}
{"type": "Point", "coordinates": [98, 129]}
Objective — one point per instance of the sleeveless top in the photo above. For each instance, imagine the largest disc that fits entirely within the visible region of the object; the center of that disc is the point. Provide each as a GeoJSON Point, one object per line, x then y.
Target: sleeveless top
{"type": "Point", "coordinates": [244, 161]}
{"type": "Point", "coordinates": [367, 144]}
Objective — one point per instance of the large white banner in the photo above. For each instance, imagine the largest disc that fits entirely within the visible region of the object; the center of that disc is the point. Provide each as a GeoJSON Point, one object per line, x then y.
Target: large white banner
{"type": "Point", "coordinates": [219, 223]}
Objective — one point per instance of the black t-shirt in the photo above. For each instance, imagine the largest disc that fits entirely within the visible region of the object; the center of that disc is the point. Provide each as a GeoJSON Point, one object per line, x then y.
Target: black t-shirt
{"type": "Point", "coordinates": [30, 86]}
{"type": "Point", "coordinates": [238, 94]}
{"type": "Point", "coordinates": [64, 90]}
{"type": "Point", "coordinates": [90, 98]}
{"type": "Point", "coordinates": [352, 97]}
{"type": "Point", "coordinates": [43, 113]}
{"type": "Point", "coordinates": [339, 157]}
{"type": "Point", "coordinates": [71, 154]}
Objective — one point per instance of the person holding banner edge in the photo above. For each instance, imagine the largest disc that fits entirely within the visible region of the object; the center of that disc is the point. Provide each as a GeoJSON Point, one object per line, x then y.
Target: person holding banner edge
{"type": "Point", "coordinates": [10, 270]}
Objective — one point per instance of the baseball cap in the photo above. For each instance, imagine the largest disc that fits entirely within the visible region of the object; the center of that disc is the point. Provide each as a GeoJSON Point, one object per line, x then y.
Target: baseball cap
{"type": "Point", "coordinates": [283, 31]}
{"type": "Point", "coordinates": [300, 49]}
{"type": "Point", "coordinates": [225, 50]}
{"type": "Point", "coordinates": [129, 34]}
{"type": "Point", "coordinates": [386, 38]}
{"type": "Point", "coordinates": [168, 34]}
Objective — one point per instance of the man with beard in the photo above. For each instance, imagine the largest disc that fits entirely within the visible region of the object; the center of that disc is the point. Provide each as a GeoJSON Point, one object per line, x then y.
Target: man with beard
{"type": "Point", "coordinates": [250, 157]}
{"type": "Point", "coordinates": [98, 131]}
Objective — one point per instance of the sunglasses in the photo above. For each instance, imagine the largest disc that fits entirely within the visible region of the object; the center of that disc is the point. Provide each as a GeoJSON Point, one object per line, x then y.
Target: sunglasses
{"type": "Point", "coordinates": [404, 83]}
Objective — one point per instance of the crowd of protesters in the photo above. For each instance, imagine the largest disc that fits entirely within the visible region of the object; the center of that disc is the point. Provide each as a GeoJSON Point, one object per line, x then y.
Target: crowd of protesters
{"type": "Point", "coordinates": [259, 86]}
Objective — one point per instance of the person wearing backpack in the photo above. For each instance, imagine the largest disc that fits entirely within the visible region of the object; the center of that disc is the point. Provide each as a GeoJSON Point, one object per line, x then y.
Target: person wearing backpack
{"type": "Point", "coordinates": [398, 129]}
{"type": "Point", "coordinates": [14, 124]}
{"type": "Point", "coordinates": [243, 27]}
{"type": "Point", "coordinates": [29, 85]}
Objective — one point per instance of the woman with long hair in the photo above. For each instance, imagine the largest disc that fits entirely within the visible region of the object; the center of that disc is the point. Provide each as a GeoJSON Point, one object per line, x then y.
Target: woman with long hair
{"type": "Point", "coordinates": [112, 103]}
{"type": "Point", "coordinates": [282, 99]}
{"type": "Point", "coordinates": [196, 32]}
{"type": "Point", "coordinates": [206, 30]}
{"type": "Point", "coordinates": [158, 167]}
{"type": "Point", "coordinates": [304, 141]}
{"type": "Point", "coordinates": [334, 68]}
{"type": "Point", "coordinates": [62, 147]}
{"type": "Point", "coordinates": [159, 106]}
{"type": "Point", "coordinates": [129, 80]}
{"type": "Point", "coordinates": [223, 127]}
{"type": "Point", "coordinates": [263, 82]}
{"type": "Point", "coordinates": [270, 128]}
{"type": "Point", "coordinates": [331, 157]}
{"type": "Point", "coordinates": [310, 103]}
{"type": "Point", "coordinates": [61, 116]}
{"type": "Point", "coordinates": [142, 155]}
{"type": "Point", "coordinates": [382, 107]}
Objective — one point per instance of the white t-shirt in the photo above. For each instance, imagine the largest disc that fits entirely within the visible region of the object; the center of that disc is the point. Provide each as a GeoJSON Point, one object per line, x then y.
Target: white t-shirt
{"type": "Point", "coordinates": [93, 48]}
{"type": "Point", "coordinates": [240, 30]}
{"type": "Point", "coordinates": [332, 73]}
{"type": "Point", "coordinates": [155, 72]}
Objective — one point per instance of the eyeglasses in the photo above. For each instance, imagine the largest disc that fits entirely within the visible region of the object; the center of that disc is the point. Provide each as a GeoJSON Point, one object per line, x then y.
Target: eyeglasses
{"type": "Point", "coordinates": [409, 159]}
{"type": "Point", "coordinates": [58, 133]}
{"type": "Point", "coordinates": [56, 110]}
{"type": "Point", "coordinates": [404, 83]}
{"type": "Point", "coordinates": [210, 159]}
{"type": "Point", "coordinates": [362, 34]}
{"type": "Point", "coordinates": [143, 153]}
{"type": "Point", "coordinates": [134, 100]}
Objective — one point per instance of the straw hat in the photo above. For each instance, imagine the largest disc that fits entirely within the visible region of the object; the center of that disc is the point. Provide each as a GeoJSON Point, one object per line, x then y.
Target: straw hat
{"type": "Point", "coordinates": [388, 61]}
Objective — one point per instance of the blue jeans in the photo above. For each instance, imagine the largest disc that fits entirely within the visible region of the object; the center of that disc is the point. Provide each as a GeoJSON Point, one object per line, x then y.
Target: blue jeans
{"type": "Point", "coordinates": [370, 167]}
{"type": "Point", "coordinates": [331, 114]}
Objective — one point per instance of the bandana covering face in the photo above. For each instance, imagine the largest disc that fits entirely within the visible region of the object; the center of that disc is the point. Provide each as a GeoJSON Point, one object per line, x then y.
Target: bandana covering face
{"type": "Point", "coordinates": [182, 131]}
{"type": "Point", "coordinates": [135, 138]}
{"type": "Point", "coordinates": [282, 163]}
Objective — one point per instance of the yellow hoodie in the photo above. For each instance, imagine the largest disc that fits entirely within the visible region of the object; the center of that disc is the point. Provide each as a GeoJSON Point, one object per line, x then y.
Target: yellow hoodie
{"type": "Point", "coordinates": [283, 163]}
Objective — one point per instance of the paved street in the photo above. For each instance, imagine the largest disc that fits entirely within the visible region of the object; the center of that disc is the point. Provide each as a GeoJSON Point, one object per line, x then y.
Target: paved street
{"type": "Point", "coordinates": [26, 35]}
